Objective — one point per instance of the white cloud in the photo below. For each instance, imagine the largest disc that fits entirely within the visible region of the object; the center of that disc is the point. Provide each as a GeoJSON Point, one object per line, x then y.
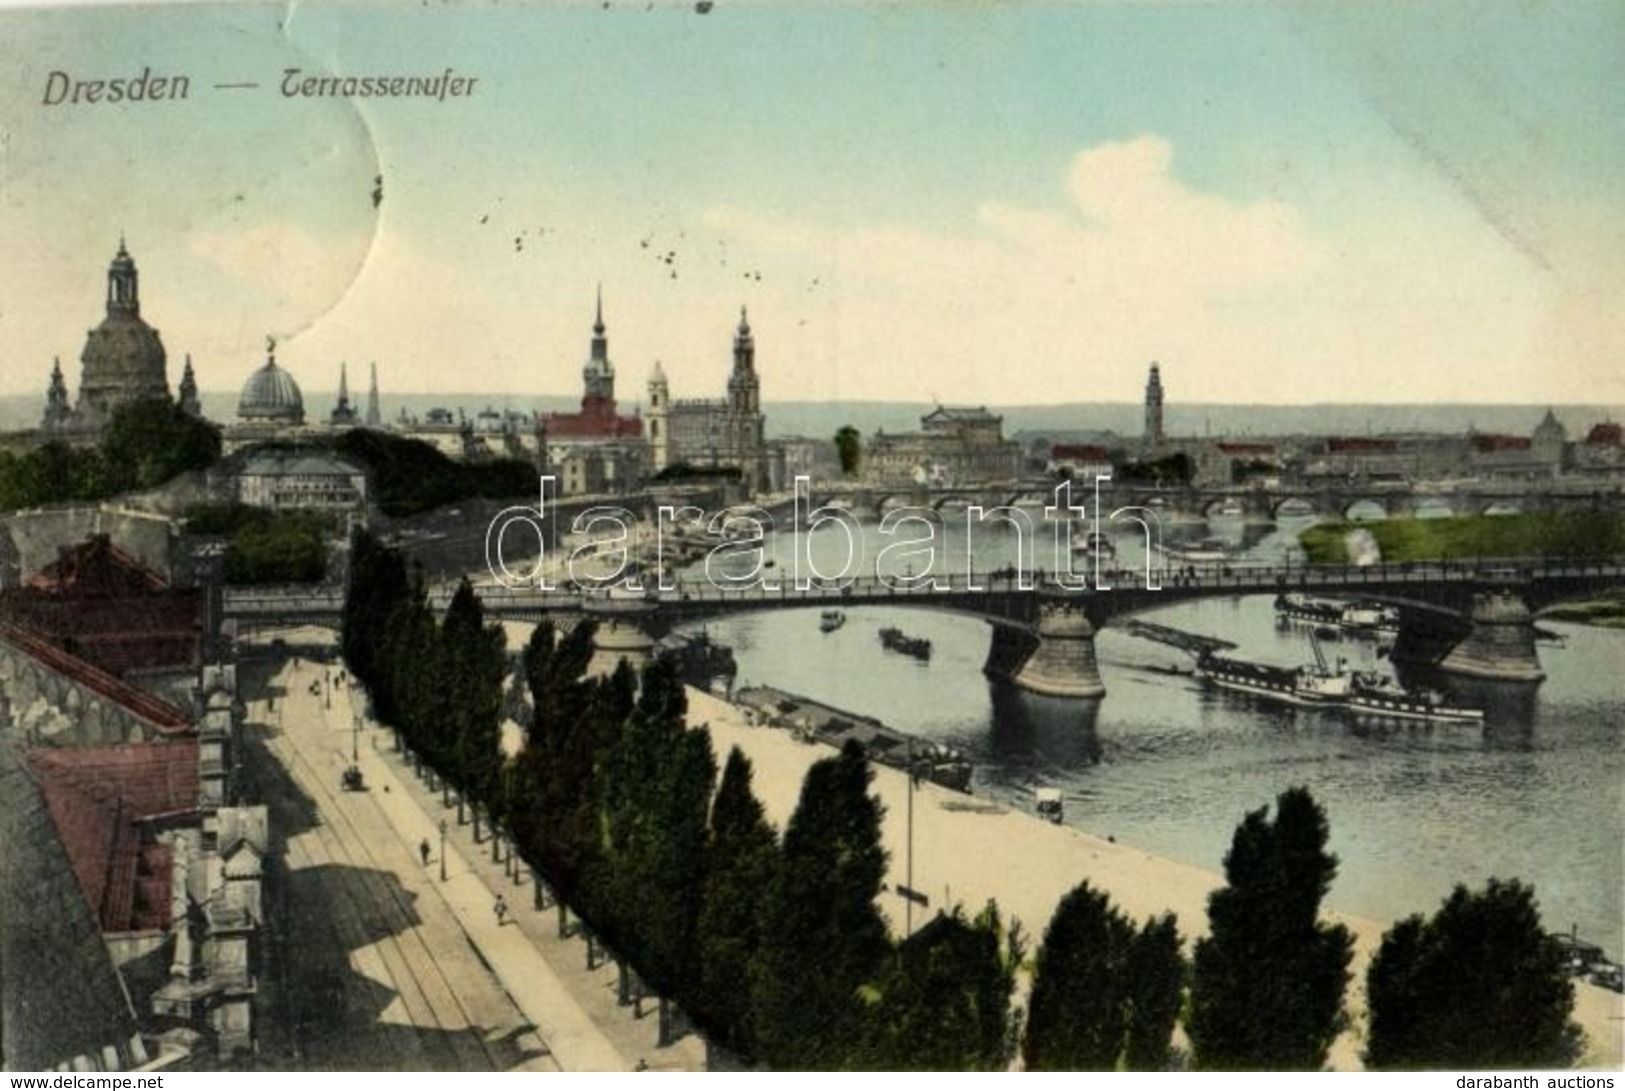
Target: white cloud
{"type": "Point", "coordinates": [1241, 301]}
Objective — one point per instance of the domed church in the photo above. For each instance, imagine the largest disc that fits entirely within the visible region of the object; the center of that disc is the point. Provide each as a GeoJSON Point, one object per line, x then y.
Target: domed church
{"type": "Point", "coordinates": [123, 360]}
{"type": "Point", "coordinates": [270, 396]}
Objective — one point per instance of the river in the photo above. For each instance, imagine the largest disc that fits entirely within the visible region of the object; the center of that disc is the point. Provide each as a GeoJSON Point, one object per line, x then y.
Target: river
{"type": "Point", "coordinates": [1537, 793]}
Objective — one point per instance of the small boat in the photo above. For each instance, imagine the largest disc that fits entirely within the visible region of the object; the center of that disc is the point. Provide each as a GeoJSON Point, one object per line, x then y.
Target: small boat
{"type": "Point", "coordinates": [1369, 617]}
{"type": "Point", "coordinates": [1206, 551]}
{"type": "Point", "coordinates": [1308, 610]}
{"type": "Point", "coordinates": [1047, 803]}
{"type": "Point", "coordinates": [830, 620]}
{"type": "Point", "coordinates": [1092, 543]}
{"type": "Point", "coordinates": [895, 640]}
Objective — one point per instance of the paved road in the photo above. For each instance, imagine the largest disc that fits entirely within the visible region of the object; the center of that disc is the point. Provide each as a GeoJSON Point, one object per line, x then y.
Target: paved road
{"type": "Point", "coordinates": [370, 966]}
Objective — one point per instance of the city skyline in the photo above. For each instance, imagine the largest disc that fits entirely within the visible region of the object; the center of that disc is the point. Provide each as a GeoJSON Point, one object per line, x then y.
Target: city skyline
{"type": "Point", "coordinates": [1019, 206]}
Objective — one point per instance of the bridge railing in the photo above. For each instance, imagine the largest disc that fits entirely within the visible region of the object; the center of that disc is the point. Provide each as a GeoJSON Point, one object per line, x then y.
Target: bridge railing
{"type": "Point", "coordinates": [1006, 582]}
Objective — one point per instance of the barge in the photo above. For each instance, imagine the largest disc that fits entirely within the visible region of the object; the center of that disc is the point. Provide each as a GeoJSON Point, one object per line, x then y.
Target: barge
{"type": "Point", "coordinates": [895, 640]}
{"type": "Point", "coordinates": [813, 721]}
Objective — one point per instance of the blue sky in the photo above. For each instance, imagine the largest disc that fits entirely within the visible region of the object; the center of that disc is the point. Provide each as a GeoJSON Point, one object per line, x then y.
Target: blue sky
{"type": "Point", "coordinates": [1012, 204]}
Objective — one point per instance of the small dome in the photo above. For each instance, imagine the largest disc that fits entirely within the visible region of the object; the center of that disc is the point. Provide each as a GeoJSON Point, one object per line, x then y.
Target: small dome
{"type": "Point", "coordinates": [271, 395]}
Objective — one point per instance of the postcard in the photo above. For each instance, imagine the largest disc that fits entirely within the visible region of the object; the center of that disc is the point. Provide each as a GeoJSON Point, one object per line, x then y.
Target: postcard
{"type": "Point", "coordinates": [769, 536]}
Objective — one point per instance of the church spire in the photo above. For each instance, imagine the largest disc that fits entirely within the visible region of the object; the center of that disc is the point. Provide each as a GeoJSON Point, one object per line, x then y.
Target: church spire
{"type": "Point", "coordinates": [373, 417]}
{"type": "Point", "coordinates": [57, 412]}
{"type": "Point", "coordinates": [186, 396]}
{"type": "Point", "coordinates": [343, 412]}
{"type": "Point", "coordinates": [598, 375]}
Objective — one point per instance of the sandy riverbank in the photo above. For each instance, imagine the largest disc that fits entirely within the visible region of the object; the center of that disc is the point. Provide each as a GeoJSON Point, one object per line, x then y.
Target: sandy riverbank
{"type": "Point", "coordinates": [968, 849]}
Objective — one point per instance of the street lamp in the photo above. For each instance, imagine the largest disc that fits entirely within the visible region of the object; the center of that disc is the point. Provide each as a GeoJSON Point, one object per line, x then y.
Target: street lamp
{"type": "Point", "coordinates": [355, 738]}
{"type": "Point", "coordinates": [442, 850]}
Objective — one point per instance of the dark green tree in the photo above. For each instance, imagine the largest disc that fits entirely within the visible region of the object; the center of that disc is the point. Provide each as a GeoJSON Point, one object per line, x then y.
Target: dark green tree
{"type": "Point", "coordinates": [1156, 989]}
{"type": "Point", "coordinates": [378, 584]}
{"type": "Point", "coordinates": [743, 858]}
{"type": "Point", "coordinates": [151, 440]}
{"type": "Point", "coordinates": [944, 1002]}
{"type": "Point", "coordinates": [823, 940]}
{"type": "Point", "coordinates": [849, 447]}
{"type": "Point", "coordinates": [1268, 980]}
{"type": "Point", "coordinates": [1077, 1017]}
{"type": "Point", "coordinates": [656, 817]}
{"type": "Point", "coordinates": [556, 776]}
{"type": "Point", "coordinates": [1478, 985]}
{"type": "Point", "coordinates": [476, 655]}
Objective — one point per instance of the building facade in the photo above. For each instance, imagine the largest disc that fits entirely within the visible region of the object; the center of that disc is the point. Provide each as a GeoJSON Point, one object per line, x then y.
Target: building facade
{"type": "Point", "coordinates": [714, 433]}
{"type": "Point", "coordinates": [962, 445]}
{"type": "Point", "coordinates": [596, 449]}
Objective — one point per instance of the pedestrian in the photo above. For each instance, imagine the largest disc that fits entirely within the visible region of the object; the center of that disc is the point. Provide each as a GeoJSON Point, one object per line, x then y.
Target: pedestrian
{"type": "Point", "coordinates": [501, 910]}
{"type": "Point", "coordinates": [423, 851]}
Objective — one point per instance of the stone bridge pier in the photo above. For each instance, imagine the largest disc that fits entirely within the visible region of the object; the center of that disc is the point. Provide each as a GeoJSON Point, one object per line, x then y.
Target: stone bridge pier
{"type": "Point", "coordinates": [1055, 658]}
{"type": "Point", "coordinates": [1501, 643]}
{"type": "Point", "coordinates": [623, 632]}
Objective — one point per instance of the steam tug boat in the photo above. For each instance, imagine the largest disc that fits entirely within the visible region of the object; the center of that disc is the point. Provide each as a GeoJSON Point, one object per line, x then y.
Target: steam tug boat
{"type": "Point", "coordinates": [1365, 693]}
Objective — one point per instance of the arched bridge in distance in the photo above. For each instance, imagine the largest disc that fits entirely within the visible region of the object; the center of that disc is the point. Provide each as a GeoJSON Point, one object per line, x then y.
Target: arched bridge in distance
{"type": "Point", "coordinates": [1473, 618]}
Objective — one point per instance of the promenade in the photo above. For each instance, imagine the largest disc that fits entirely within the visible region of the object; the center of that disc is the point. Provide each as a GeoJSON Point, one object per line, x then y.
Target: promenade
{"type": "Point", "coordinates": [536, 1004]}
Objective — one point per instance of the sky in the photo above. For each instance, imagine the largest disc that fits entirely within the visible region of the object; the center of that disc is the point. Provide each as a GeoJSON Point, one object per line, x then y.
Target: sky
{"type": "Point", "coordinates": [972, 203]}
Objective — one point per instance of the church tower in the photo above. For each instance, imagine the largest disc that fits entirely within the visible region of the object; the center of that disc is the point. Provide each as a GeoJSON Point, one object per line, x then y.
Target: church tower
{"type": "Point", "coordinates": [659, 418]}
{"type": "Point", "coordinates": [745, 422]}
{"type": "Point", "coordinates": [598, 374]}
{"type": "Point", "coordinates": [123, 359]}
{"type": "Point", "coordinates": [186, 394]}
{"type": "Point", "coordinates": [373, 419]}
{"type": "Point", "coordinates": [344, 414]}
{"type": "Point", "coordinates": [1153, 409]}
{"type": "Point", "coordinates": [58, 413]}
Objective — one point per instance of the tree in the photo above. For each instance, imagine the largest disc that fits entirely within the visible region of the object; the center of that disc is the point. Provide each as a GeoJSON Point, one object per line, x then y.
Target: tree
{"type": "Point", "coordinates": [822, 937]}
{"type": "Point", "coordinates": [1156, 987]}
{"type": "Point", "coordinates": [657, 802]}
{"type": "Point", "coordinates": [556, 777]}
{"type": "Point", "coordinates": [378, 584]}
{"type": "Point", "coordinates": [944, 1003]}
{"type": "Point", "coordinates": [743, 858]}
{"type": "Point", "coordinates": [849, 446]}
{"type": "Point", "coordinates": [150, 440]}
{"type": "Point", "coordinates": [476, 660]}
{"type": "Point", "coordinates": [1478, 985]}
{"type": "Point", "coordinates": [1077, 1017]}
{"type": "Point", "coordinates": [1104, 995]}
{"type": "Point", "coordinates": [1268, 980]}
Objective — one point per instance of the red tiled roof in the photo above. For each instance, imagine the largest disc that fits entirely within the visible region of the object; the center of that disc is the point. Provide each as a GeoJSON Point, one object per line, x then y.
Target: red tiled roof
{"type": "Point", "coordinates": [163, 716]}
{"type": "Point", "coordinates": [97, 567]}
{"type": "Point", "coordinates": [117, 633]}
{"type": "Point", "coordinates": [1346, 445]}
{"type": "Point", "coordinates": [1489, 444]}
{"type": "Point", "coordinates": [1606, 434]}
{"type": "Point", "coordinates": [98, 797]}
{"type": "Point", "coordinates": [597, 420]}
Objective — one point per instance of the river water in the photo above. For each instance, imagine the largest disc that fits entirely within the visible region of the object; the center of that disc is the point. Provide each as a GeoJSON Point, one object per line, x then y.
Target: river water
{"type": "Point", "coordinates": [1537, 793]}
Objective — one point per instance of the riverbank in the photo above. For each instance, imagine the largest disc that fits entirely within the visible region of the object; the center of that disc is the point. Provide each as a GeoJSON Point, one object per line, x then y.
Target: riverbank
{"type": "Point", "coordinates": [968, 850]}
{"type": "Point", "coordinates": [1606, 611]}
{"type": "Point", "coordinates": [1577, 534]}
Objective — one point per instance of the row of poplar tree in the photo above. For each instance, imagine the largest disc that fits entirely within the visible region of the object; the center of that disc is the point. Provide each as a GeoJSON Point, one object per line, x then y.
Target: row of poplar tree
{"type": "Point", "coordinates": [774, 945]}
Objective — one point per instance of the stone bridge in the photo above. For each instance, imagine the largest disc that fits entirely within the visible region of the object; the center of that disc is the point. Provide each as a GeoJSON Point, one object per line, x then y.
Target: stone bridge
{"type": "Point", "coordinates": [1473, 618]}
{"type": "Point", "coordinates": [1256, 504]}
